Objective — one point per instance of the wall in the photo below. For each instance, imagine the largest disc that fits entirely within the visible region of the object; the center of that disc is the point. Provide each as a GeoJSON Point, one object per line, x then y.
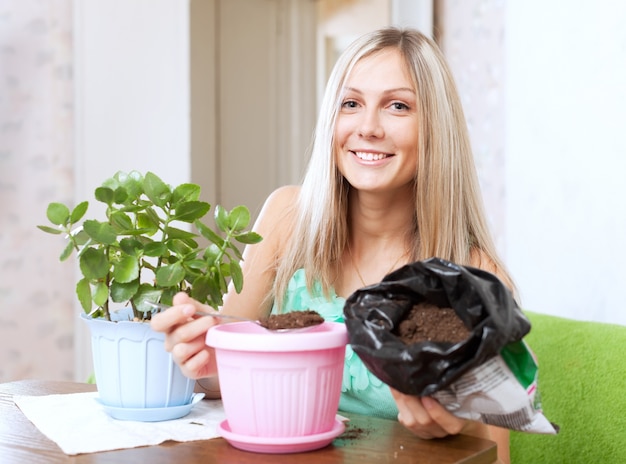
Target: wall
{"type": "Point", "coordinates": [132, 112]}
{"type": "Point", "coordinates": [566, 156]}
{"type": "Point", "coordinates": [542, 85]}
{"type": "Point", "coordinates": [131, 80]}
{"type": "Point", "coordinates": [36, 166]}
{"type": "Point", "coordinates": [471, 35]}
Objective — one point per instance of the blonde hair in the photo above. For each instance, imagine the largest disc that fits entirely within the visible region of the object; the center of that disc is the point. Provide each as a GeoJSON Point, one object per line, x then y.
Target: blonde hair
{"type": "Point", "coordinates": [449, 220]}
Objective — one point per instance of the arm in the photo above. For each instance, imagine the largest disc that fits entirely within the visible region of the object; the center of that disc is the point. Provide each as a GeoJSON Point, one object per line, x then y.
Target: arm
{"type": "Point", "coordinates": [259, 260]}
{"type": "Point", "coordinates": [426, 418]}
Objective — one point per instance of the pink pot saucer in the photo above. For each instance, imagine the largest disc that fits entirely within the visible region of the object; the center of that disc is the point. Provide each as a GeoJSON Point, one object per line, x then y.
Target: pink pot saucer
{"type": "Point", "coordinates": [278, 445]}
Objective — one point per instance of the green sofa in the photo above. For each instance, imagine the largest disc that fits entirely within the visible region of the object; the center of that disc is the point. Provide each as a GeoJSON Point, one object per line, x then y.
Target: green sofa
{"type": "Point", "coordinates": [582, 383]}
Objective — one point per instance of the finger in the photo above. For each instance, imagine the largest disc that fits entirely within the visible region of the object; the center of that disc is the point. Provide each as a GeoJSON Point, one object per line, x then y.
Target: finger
{"type": "Point", "coordinates": [168, 320]}
{"type": "Point", "coordinates": [413, 415]}
{"type": "Point", "coordinates": [448, 422]}
{"type": "Point", "coordinates": [189, 331]}
{"type": "Point", "coordinates": [182, 352]}
{"type": "Point", "coordinates": [411, 411]}
{"type": "Point", "coordinates": [197, 365]}
{"type": "Point", "coordinates": [182, 298]}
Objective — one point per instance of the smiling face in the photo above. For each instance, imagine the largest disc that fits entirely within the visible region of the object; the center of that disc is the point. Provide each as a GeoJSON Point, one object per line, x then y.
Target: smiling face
{"type": "Point", "coordinates": [376, 129]}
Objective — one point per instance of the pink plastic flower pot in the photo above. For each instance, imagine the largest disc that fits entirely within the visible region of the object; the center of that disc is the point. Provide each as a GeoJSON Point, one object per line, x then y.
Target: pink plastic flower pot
{"type": "Point", "coordinates": [279, 384]}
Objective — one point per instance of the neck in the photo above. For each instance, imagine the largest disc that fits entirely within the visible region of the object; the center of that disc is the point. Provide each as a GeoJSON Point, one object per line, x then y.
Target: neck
{"type": "Point", "coordinates": [381, 218]}
{"type": "Point", "coordinates": [381, 237]}
{"type": "Point", "coordinates": [370, 280]}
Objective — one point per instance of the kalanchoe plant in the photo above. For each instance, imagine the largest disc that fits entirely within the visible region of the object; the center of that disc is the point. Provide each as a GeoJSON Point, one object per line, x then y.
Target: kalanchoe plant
{"type": "Point", "coordinates": [140, 254]}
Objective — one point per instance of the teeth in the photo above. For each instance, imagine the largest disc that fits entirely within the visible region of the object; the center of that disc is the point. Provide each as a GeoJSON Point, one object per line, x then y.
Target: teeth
{"type": "Point", "coordinates": [370, 156]}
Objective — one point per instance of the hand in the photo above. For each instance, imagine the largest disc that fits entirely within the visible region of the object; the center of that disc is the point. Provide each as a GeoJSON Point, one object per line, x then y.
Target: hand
{"type": "Point", "coordinates": [185, 336]}
{"type": "Point", "coordinates": [425, 417]}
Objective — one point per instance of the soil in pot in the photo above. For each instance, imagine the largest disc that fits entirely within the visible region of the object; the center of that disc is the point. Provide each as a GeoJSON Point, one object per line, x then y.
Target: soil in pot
{"type": "Point", "coordinates": [427, 322]}
{"type": "Point", "coordinates": [292, 320]}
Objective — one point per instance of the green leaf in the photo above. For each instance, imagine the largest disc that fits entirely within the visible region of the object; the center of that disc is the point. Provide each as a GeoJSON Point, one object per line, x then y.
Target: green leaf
{"type": "Point", "coordinates": [131, 208]}
{"type": "Point", "coordinates": [132, 183]}
{"type": "Point", "coordinates": [78, 212]}
{"type": "Point", "coordinates": [179, 247]}
{"type": "Point", "coordinates": [121, 292]}
{"type": "Point", "coordinates": [211, 254]}
{"type": "Point", "coordinates": [167, 297]}
{"type": "Point", "coordinates": [209, 233]}
{"type": "Point", "coordinates": [100, 293]}
{"type": "Point", "coordinates": [105, 195]}
{"type": "Point", "coordinates": [201, 288]}
{"type": "Point", "coordinates": [154, 249]}
{"type": "Point", "coordinates": [238, 218]}
{"type": "Point", "coordinates": [221, 218]}
{"type": "Point", "coordinates": [121, 196]}
{"type": "Point", "coordinates": [185, 192]}
{"type": "Point", "coordinates": [153, 216]}
{"type": "Point", "coordinates": [58, 214]}
{"type": "Point", "coordinates": [101, 232]}
{"type": "Point", "coordinates": [50, 230]}
{"type": "Point", "coordinates": [173, 232]}
{"type": "Point", "coordinates": [138, 232]}
{"type": "Point", "coordinates": [170, 275]}
{"type": "Point", "coordinates": [197, 264]}
{"type": "Point", "coordinates": [192, 273]}
{"type": "Point", "coordinates": [236, 276]}
{"type": "Point", "coordinates": [83, 292]}
{"type": "Point", "coordinates": [148, 221]}
{"type": "Point", "coordinates": [80, 236]}
{"type": "Point", "coordinates": [248, 238]}
{"type": "Point", "coordinates": [215, 289]}
{"type": "Point", "coordinates": [67, 251]}
{"type": "Point", "coordinates": [156, 190]}
{"type": "Point", "coordinates": [94, 264]}
{"type": "Point", "coordinates": [131, 246]}
{"type": "Point", "coordinates": [224, 272]}
{"type": "Point", "coordinates": [190, 242]}
{"type": "Point", "coordinates": [126, 270]}
{"type": "Point", "coordinates": [112, 182]}
{"type": "Point", "coordinates": [235, 251]}
{"type": "Point", "coordinates": [121, 221]}
{"type": "Point", "coordinates": [189, 211]}
{"type": "Point", "coordinates": [148, 293]}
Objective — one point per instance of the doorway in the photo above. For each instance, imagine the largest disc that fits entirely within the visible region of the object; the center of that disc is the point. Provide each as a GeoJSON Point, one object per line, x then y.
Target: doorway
{"type": "Point", "coordinates": [258, 70]}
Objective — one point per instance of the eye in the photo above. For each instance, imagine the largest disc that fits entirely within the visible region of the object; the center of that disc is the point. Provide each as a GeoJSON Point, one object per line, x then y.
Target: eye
{"type": "Point", "coordinates": [349, 104]}
{"type": "Point", "coordinates": [400, 106]}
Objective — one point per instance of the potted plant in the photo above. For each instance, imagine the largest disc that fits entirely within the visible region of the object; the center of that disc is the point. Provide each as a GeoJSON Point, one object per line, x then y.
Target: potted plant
{"type": "Point", "coordinates": [141, 253]}
{"type": "Point", "coordinates": [280, 391]}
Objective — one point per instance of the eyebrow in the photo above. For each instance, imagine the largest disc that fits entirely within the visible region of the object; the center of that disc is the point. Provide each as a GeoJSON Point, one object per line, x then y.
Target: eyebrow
{"type": "Point", "coordinates": [398, 89]}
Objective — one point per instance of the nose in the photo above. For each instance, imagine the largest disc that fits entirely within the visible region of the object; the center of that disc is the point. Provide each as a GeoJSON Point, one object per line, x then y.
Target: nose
{"type": "Point", "coordinates": [371, 124]}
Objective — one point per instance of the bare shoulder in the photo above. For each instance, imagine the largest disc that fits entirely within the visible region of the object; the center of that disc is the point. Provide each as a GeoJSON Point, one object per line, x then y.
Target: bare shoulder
{"type": "Point", "coordinates": [480, 259]}
{"type": "Point", "coordinates": [278, 211]}
{"type": "Point", "coordinates": [283, 197]}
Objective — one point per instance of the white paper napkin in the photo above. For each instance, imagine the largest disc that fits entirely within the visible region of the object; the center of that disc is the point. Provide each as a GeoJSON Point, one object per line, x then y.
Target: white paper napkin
{"type": "Point", "coordinates": [78, 423]}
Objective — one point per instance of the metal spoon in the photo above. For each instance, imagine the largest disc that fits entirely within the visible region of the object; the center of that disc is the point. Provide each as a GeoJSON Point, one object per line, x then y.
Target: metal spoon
{"type": "Point", "coordinates": [236, 318]}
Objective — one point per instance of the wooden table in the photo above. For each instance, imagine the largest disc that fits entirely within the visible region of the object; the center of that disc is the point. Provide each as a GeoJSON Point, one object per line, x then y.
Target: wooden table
{"type": "Point", "coordinates": [366, 440]}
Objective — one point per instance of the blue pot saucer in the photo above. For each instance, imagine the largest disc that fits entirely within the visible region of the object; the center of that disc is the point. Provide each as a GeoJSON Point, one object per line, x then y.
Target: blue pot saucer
{"type": "Point", "coordinates": [152, 414]}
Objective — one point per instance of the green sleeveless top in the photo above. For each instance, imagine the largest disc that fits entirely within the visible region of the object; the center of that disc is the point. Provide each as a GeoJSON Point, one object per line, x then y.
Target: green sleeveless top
{"type": "Point", "coordinates": [361, 391]}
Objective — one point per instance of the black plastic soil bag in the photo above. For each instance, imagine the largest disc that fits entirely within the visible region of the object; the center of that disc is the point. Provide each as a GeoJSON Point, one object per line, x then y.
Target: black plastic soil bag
{"type": "Point", "coordinates": [479, 298]}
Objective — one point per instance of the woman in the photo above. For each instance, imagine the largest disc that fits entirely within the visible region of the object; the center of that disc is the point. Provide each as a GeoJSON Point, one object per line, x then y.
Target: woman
{"type": "Point", "coordinates": [391, 180]}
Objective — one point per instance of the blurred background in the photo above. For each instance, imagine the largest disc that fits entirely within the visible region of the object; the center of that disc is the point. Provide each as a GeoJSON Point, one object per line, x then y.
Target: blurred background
{"type": "Point", "coordinates": [224, 93]}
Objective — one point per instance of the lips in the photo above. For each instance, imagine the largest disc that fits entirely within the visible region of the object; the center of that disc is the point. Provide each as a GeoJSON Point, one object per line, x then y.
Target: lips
{"type": "Point", "coordinates": [369, 156]}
